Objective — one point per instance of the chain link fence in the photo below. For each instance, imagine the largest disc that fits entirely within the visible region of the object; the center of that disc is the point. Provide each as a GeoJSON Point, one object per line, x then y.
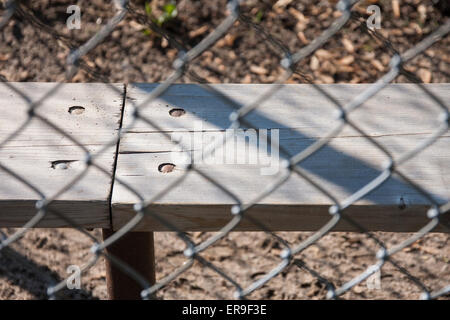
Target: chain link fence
{"type": "Point", "coordinates": [290, 61]}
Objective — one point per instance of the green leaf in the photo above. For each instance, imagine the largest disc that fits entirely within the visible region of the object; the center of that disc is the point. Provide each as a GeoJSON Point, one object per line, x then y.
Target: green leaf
{"type": "Point", "coordinates": [258, 17]}
{"type": "Point", "coordinates": [170, 9]}
{"type": "Point", "coordinates": [148, 8]}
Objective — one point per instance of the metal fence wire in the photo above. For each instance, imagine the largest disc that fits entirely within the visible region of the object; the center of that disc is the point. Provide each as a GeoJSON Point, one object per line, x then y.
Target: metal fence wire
{"type": "Point", "coordinates": [289, 63]}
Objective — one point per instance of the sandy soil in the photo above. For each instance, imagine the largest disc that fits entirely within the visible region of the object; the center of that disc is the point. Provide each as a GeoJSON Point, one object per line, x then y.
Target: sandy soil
{"type": "Point", "coordinates": [43, 255]}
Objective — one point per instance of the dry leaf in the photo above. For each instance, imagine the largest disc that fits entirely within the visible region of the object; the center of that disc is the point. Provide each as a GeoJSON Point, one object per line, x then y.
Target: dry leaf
{"type": "Point", "coordinates": [281, 3]}
{"type": "Point", "coordinates": [424, 75]}
{"type": "Point", "coordinates": [314, 63]}
{"type": "Point", "coordinates": [302, 37]}
{"type": "Point", "coordinates": [323, 54]}
{"type": "Point", "coordinates": [377, 64]}
{"type": "Point", "coordinates": [136, 25]}
{"type": "Point", "coordinates": [229, 39]}
{"type": "Point", "coordinates": [348, 45]}
{"type": "Point", "coordinates": [199, 31]}
{"type": "Point", "coordinates": [298, 15]}
{"type": "Point", "coordinates": [345, 69]}
{"type": "Point", "coordinates": [346, 60]}
{"type": "Point", "coordinates": [422, 12]}
{"type": "Point", "coordinates": [396, 8]}
{"type": "Point", "coordinates": [326, 79]}
{"type": "Point", "coordinates": [164, 43]}
{"type": "Point", "coordinates": [258, 70]}
{"type": "Point", "coordinates": [247, 79]}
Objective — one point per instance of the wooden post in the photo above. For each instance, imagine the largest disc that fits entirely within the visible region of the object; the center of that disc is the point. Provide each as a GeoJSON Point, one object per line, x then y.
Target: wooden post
{"type": "Point", "coordinates": [137, 250]}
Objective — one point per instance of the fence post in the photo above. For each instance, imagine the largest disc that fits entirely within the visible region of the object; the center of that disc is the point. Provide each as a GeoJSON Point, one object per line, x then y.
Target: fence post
{"type": "Point", "coordinates": [137, 250]}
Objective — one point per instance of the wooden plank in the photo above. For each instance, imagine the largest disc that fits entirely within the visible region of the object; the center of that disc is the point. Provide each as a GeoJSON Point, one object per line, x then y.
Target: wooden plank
{"type": "Point", "coordinates": [399, 117]}
{"type": "Point", "coordinates": [90, 113]}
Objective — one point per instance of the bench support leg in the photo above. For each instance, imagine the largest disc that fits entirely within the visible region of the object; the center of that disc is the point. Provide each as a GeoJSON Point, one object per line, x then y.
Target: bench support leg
{"type": "Point", "coordinates": [137, 250]}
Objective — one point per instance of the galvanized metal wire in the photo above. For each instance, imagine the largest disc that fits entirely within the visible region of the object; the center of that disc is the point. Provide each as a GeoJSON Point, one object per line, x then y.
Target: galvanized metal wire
{"type": "Point", "coordinates": [238, 118]}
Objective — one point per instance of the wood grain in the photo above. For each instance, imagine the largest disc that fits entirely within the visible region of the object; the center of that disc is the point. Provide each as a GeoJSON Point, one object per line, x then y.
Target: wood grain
{"type": "Point", "coordinates": [90, 113]}
{"type": "Point", "coordinates": [399, 118]}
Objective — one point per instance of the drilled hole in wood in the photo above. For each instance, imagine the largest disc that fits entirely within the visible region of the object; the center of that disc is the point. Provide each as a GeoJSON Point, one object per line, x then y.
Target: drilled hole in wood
{"type": "Point", "coordinates": [402, 204]}
{"type": "Point", "coordinates": [61, 164]}
{"type": "Point", "coordinates": [76, 110]}
{"type": "Point", "coordinates": [177, 112]}
{"type": "Point", "coordinates": [166, 167]}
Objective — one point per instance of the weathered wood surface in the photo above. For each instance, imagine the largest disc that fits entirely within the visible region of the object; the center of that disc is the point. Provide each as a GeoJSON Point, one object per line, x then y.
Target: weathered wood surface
{"type": "Point", "coordinates": [35, 154]}
{"type": "Point", "coordinates": [399, 117]}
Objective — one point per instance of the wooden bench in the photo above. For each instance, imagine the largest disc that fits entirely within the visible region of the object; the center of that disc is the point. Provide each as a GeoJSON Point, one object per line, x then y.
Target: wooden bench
{"type": "Point", "coordinates": [399, 117]}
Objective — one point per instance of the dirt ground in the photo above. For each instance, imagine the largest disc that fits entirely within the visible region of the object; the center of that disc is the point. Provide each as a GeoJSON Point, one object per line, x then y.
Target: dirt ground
{"type": "Point", "coordinates": [35, 44]}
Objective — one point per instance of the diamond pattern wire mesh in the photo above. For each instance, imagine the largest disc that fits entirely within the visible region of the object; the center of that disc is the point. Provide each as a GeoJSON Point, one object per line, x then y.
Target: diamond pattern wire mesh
{"type": "Point", "coordinates": [289, 62]}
